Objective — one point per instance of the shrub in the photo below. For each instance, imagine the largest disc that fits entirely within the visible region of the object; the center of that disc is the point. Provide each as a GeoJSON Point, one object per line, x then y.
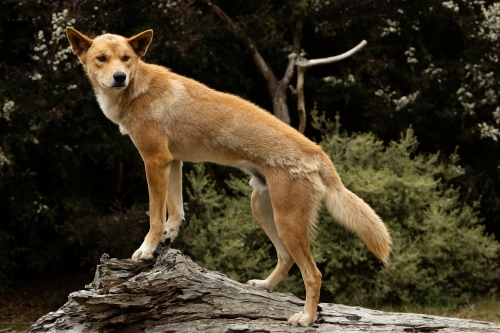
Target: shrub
{"type": "Point", "coordinates": [440, 251]}
{"type": "Point", "coordinates": [220, 232]}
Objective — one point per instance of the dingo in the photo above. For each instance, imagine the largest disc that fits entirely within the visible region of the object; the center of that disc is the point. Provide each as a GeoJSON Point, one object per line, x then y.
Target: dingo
{"type": "Point", "coordinates": [171, 119]}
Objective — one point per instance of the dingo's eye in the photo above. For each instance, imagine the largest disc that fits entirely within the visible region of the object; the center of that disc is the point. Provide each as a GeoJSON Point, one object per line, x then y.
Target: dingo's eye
{"type": "Point", "coordinates": [126, 58]}
{"type": "Point", "coordinates": [101, 58]}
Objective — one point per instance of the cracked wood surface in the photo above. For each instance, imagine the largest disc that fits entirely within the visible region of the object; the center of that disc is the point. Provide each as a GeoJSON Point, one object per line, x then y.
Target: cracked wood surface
{"type": "Point", "coordinates": [173, 294]}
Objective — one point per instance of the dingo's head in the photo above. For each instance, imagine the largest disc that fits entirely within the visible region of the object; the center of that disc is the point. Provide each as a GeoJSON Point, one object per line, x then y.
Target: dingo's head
{"type": "Point", "coordinates": [109, 60]}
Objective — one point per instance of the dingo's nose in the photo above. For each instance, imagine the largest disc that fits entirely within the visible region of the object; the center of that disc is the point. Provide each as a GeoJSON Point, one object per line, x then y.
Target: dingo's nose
{"type": "Point", "coordinates": [120, 77]}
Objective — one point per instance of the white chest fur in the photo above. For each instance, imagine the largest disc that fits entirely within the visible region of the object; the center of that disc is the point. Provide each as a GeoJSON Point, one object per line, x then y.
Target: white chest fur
{"type": "Point", "coordinates": [110, 107]}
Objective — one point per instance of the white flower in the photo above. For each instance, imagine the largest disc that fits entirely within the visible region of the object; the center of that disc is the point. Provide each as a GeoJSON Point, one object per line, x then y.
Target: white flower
{"type": "Point", "coordinates": [434, 71]}
{"type": "Point", "coordinates": [451, 5]}
{"type": "Point", "coordinates": [332, 80]}
{"type": "Point", "coordinates": [496, 115]}
{"type": "Point", "coordinates": [411, 56]}
{"type": "Point", "coordinates": [393, 27]}
{"type": "Point", "coordinates": [8, 107]}
{"type": "Point", "coordinates": [385, 94]}
{"type": "Point", "coordinates": [490, 28]}
{"type": "Point", "coordinates": [36, 76]}
{"type": "Point", "coordinates": [3, 159]}
{"type": "Point", "coordinates": [469, 107]}
{"type": "Point", "coordinates": [487, 131]}
{"type": "Point", "coordinates": [405, 100]}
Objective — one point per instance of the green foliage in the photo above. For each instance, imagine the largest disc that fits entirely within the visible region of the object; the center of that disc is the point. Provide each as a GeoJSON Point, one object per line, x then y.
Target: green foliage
{"type": "Point", "coordinates": [430, 65]}
{"type": "Point", "coordinates": [220, 232]}
{"type": "Point", "coordinates": [118, 233]}
{"type": "Point", "coordinates": [440, 251]}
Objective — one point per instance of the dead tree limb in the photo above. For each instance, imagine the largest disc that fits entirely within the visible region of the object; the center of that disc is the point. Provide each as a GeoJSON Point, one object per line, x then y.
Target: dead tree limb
{"type": "Point", "coordinates": [173, 294]}
{"type": "Point", "coordinates": [313, 62]}
{"type": "Point", "coordinates": [302, 65]}
{"type": "Point", "coordinates": [277, 88]}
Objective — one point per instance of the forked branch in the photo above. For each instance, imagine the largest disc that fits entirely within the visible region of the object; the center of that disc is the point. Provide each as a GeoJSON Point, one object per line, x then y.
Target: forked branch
{"type": "Point", "coordinates": [313, 62]}
{"type": "Point", "coordinates": [302, 65]}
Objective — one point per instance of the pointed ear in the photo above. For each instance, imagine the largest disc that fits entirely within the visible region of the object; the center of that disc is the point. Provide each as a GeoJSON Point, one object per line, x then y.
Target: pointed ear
{"type": "Point", "coordinates": [140, 42]}
{"type": "Point", "coordinates": [79, 42]}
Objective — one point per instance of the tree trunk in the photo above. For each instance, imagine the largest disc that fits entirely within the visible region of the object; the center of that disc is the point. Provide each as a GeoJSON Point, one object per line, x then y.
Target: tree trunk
{"type": "Point", "coordinates": [173, 294]}
{"type": "Point", "coordinates": [301, 104]}
{"type": "Point", "coordinates": [280, 107]}
{"type": "Point", "coordinates": [277, 88]}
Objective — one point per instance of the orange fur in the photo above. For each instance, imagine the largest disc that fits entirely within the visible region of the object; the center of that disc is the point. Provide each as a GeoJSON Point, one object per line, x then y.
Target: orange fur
{"type": "Point", "coordinates": [171, 118]}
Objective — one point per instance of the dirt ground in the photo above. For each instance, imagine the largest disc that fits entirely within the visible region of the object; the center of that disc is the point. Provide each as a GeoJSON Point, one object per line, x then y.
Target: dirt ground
{"type": "Point", "coordinates": [26, 300]}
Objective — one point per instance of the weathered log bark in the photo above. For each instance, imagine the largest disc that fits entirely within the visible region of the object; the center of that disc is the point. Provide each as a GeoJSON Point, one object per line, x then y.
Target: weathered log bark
{"type": "Point", "coordinates": [173, 294]}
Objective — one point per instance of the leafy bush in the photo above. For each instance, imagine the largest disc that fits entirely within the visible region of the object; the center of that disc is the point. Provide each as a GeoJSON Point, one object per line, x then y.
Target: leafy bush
{"type": "Point", "coordinates": [440, 251]}
{"type": "Point", "coordinates": [220, 232]}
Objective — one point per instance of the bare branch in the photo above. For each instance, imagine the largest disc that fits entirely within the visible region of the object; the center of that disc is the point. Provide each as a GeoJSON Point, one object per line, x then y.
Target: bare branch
{"type": "Point", "coordinates": [223, 16]}
{"type": "Point", "coordinates": [276, 88]}
{"type": "Point", "coordinates": [263, 67]}
{"type": "Point", "coordinates": [292, 58]}
{"type": "Point", "coordinates": [314, 62]}
{"type": "Point", "coordinates": [301, 67]}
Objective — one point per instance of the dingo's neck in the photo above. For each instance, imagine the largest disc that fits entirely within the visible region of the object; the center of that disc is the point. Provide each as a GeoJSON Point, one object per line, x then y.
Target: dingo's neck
{"type": "Point", "coordinates": [109, 102]}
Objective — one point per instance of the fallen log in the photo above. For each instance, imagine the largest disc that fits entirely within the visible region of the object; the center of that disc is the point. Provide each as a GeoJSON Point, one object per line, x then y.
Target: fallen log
{"type": "Point", "coordinates": [173, 294]}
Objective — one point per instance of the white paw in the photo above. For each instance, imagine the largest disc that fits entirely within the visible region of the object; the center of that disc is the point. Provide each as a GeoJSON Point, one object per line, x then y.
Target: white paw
{"type": "Point", "coordinates": [263, 284]}
{"type": "Point", "coordinates": [301, 318]}
{"type": "Point", "coordinates": [145, 252]}
{"type": "Point", "coordinates": [170, 231]}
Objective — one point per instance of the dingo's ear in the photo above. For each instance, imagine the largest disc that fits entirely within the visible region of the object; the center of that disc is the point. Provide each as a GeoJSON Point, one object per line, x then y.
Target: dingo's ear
{"type": "Point", "coordinates": [79, 42]}
{"type": "Point", "coordinates": [140, 42]}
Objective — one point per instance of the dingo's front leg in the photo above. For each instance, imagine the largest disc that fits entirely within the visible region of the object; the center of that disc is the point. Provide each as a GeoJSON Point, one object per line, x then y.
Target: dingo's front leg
{"type": "Point", "coordinates": [157, 177]}
{"type": "Point", "coordinates": [175, 207]}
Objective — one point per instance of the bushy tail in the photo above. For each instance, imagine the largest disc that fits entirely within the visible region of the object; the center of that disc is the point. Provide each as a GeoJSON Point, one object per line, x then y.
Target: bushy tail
{"type": "Point", "coordinates": [356, 215]}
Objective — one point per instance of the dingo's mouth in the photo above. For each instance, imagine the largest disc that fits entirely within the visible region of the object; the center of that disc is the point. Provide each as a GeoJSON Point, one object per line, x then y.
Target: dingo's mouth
{"type": "Point", "coordinates": [115, 86]}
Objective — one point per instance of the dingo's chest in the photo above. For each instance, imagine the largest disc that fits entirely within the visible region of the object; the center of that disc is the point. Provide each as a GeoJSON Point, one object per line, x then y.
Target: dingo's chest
{"type": "Point", "coordinates": [109, 107]}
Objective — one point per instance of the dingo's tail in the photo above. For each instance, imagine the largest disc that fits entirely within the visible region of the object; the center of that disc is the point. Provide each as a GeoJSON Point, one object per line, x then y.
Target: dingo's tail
{"type": "Point", "coordinates": [355, 214]}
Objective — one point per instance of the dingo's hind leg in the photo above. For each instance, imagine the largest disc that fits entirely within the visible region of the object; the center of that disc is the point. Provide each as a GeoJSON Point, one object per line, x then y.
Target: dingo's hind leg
{"type": "Point", "coordinates": [295, 204]}
{"type": "Point", "coordinates": [263, 212]}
